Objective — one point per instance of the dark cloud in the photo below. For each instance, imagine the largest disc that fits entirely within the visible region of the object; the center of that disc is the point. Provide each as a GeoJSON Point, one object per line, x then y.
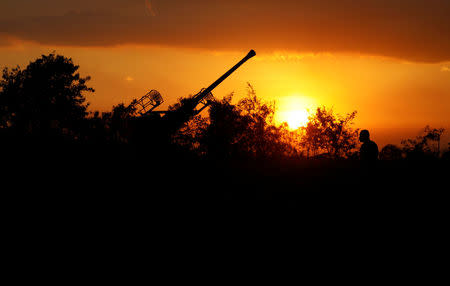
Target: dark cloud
{"type": "Point", "coordinates": [416, 30]}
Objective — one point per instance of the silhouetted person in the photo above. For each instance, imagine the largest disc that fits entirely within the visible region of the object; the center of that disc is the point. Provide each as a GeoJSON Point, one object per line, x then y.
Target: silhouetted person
{"type": "Point", "coordinates": [369, 149]}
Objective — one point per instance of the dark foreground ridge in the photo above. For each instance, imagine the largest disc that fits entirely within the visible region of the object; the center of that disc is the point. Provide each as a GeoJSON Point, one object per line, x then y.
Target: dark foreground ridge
{"type": "Point", "coordinates": [107, 211]}
{"type": "Point", "coordinates": [101, 182]}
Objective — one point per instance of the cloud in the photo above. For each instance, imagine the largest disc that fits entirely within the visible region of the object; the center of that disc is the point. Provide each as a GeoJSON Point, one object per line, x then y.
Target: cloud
{"type": "Point", "coordinates": [149, 8]}
{"type": "Point", "coordinates": [10, 41]}
{"type": "Point", "coordinates": [414, 30]}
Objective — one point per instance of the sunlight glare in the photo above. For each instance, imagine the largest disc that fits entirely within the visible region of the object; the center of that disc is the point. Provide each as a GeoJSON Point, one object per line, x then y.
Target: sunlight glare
{"type": "Point", "coordinates": [294, 110]}
{"type": "Point", "coordinates": [295, 118]}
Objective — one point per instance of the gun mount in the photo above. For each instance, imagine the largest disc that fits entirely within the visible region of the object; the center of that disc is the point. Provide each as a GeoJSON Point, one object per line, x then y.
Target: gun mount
{"type": "Point", "coordinates": [177, 118]}
{"type": "Point", "coordinates": [165, 123]}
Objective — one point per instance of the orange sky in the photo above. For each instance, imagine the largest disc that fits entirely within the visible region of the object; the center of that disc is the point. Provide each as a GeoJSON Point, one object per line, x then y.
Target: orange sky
{"type": "Point", "coordinates": [387, 60]}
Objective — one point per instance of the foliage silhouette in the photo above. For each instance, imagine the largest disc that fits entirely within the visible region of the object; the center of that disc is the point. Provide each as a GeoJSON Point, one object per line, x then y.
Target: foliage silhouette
{"type": "Point", "coordinates": [263, 138]}
{"type": "Point", "coordinates": [330, 135]}
{"type": "Point", "coordinates": [425, 146]}
{"type": "Point", "coordinates": [391, 152]}
{"type": "Point", "coordinates": [117, 121]}
{"type": "Point", "coordinates": [190, 135]}
{"type": "Point", "coordinates": [46, 97]}
{"type": "Point", "coordinates": [243, 130]}
{"type": "Point", "coordinates": [446, 155]}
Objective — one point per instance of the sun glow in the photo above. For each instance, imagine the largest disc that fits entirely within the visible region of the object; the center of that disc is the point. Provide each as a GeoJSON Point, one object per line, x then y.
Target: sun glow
{"type": "Point", "coordinates": [295, 118]}
{"type": "Point", "coordinates": [294, 110]}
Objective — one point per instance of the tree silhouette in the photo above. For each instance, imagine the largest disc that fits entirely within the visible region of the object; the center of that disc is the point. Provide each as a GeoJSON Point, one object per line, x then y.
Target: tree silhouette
{"type": "Point", "coordinates": [329, 135]}
{"type": "Point", "coordinates": [46, 97]}
{"type": "Point", "coordinates": [424, 146]}
{"type": "Point", "coordinates": [446, 155]}
{"type": "Point", "coordinates": [246, 130]}
{"type": "Point", "coordinates": [190, 135]}
{"type": "Point", "coordinates": [391, 152]}
{"type": "Point", "coordinates": [259, 117]}
{"type": "Point", "coordinates": [118, 121]}
{"type": "Point", "coordinates": [223, 137]}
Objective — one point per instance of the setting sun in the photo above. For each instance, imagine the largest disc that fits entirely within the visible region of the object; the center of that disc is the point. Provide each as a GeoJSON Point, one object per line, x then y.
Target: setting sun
{"type": "Point", "coordinates": [294, 118]}
{"type": "Point", "coordinates": [294, 110]}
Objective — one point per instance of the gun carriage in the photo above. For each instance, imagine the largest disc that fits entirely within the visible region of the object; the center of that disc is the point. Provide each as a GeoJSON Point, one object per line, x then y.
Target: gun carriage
{"type": "Point", "coordinates": [150, 123]}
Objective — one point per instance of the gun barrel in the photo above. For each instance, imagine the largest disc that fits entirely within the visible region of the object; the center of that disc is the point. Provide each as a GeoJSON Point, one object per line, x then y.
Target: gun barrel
{"type": "Point", "coordinates": [175, 120]}
{"type": "Point", "coordinates": [205, 92]}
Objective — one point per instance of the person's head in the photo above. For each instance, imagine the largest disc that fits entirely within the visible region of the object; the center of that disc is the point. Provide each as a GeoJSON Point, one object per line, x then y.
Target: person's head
{"type": "Point", "coordinates": [364, 136]}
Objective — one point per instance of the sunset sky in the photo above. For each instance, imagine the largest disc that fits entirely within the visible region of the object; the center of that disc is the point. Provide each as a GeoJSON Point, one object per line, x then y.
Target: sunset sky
{"type": "Point", "coordinates": [387, 59]}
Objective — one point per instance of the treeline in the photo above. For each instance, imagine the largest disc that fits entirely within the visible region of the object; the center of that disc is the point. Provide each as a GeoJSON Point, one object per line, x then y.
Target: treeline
{"type": "Point", "coordinates": [247, 129]}
{"type": "Point", "coordinates": [46, 103]}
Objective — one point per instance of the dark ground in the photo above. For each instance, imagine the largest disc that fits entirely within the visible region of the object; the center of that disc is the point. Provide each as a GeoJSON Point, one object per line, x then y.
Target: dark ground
{"type": "Point", "coordinates": [108, 180]}
{"type": "Point", "coordinates": [94, 209]}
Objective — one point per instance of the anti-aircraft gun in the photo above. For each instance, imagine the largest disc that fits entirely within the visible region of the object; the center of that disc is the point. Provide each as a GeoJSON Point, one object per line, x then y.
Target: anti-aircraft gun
{"type": "Point", "coordinates": [188, 109]}
{"type": "Point", "coordinates": [165, 123]}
